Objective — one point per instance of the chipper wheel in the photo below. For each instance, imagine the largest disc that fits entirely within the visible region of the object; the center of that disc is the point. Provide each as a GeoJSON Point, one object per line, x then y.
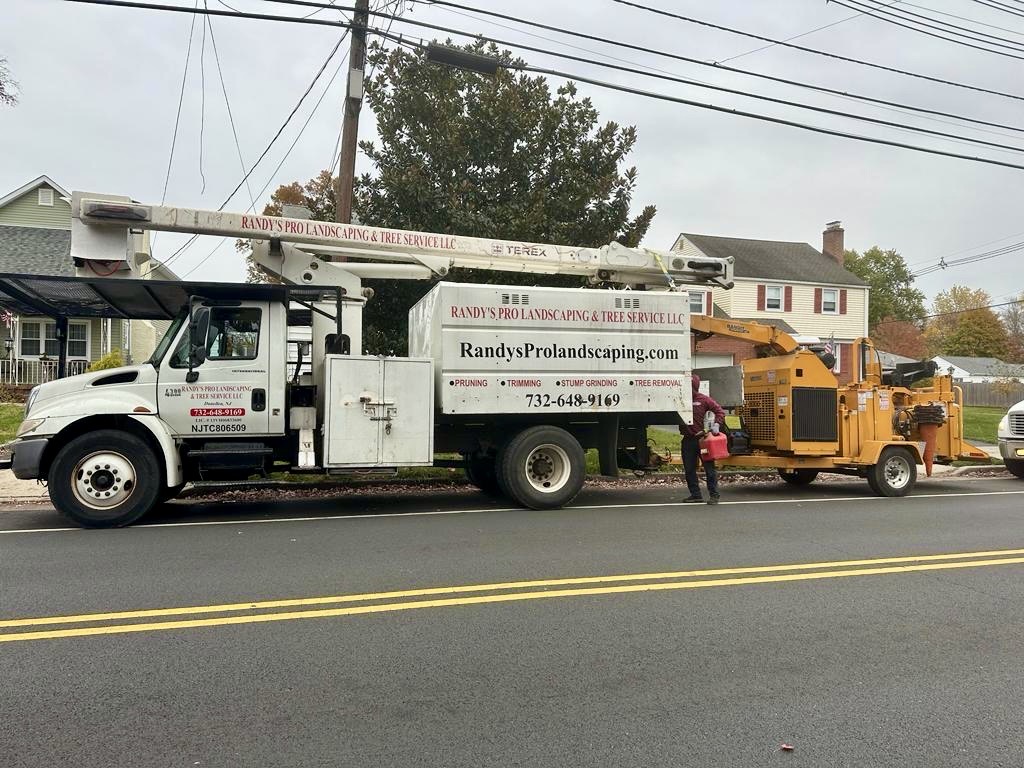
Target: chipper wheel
{"type": "Point", "coordinates": [894, 474]}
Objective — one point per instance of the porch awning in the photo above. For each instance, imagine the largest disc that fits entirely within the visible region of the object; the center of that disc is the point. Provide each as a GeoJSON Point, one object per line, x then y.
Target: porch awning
{"type": "Point", "coordinates": [67, 297]}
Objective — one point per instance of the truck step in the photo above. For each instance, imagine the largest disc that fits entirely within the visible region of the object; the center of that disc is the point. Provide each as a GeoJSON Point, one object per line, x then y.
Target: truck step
{"type": "Point", "coordinates": [231, 449]}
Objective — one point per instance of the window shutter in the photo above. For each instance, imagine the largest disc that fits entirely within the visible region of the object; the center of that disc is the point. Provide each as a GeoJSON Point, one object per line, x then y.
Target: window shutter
{"type": "Point", "coordinates": [842, 301]}
{"type": "Point", "coordinates": [788, 305]}
{"type": "Point", "coordinates": [710, 308]}
{"type": "Point", "coordinates": [760, 298]}
{"type": "Point", "coordinates": [817, 301]}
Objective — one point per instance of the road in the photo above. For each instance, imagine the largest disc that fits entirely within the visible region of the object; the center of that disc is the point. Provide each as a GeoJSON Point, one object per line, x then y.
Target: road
{"type": "Point", "coordinates": [628, 630]}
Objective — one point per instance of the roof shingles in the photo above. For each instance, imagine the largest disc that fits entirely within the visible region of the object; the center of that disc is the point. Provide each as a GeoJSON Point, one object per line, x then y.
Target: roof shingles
{"type": "Point", "coordinates": [775, 260]}
{"type": "Point", "coordinates": [30, 250]}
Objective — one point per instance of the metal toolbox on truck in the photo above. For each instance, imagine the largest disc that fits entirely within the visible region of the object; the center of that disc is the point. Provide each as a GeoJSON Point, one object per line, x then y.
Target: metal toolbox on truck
{"type": "Point", "coordinates": [514, 349]}
{"type": "Point", "coordinates": [378, 412]}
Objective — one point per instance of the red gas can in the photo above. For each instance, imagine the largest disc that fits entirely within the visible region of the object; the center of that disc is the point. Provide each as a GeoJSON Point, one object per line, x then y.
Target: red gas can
{"type": "Point", "coordinates": [714, 447]}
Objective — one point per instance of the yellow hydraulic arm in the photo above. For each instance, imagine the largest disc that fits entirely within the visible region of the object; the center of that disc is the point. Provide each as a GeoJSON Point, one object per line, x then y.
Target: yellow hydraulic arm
{"type": "Point", "coordinates": [778, 341]}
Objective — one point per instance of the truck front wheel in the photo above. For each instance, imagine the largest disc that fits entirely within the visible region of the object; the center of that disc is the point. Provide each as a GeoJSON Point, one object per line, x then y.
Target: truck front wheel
{"type": "Point", "coordinates": [894, 474]}
{"type": "Point", "coordinates": [105, 479]}
{"type": "Point", "coordinates": [1015, 467]}
{"type": "Point", "coordinates": [542, 468]}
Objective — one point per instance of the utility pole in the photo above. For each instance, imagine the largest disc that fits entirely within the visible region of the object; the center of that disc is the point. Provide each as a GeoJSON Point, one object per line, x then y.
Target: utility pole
{"type": "Point", "coordinates": [350, 124]}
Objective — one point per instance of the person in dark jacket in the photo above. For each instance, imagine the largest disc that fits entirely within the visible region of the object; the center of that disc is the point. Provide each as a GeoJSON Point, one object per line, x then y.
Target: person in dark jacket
{"type": "Point", "coordinates": [705, 412]}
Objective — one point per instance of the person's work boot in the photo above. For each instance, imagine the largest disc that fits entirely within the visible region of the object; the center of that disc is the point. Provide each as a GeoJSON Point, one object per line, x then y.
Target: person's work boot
{"type": "Point", "coordinates": [713, 498]}
{"type": "Point", "coordinates": [693, 500]}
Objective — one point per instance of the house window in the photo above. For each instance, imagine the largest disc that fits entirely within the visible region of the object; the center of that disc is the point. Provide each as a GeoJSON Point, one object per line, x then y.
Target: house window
{"type": "Point", "coordinates": [46, 196]}
{"type": "Point", "coordinates": [773, 297]}
{"type": "Point", "coordinates": [698, 302]}
{"type": "Point", "coordinates": [829, 301]}
{"type": "Point", "coordinates": [39, 339]}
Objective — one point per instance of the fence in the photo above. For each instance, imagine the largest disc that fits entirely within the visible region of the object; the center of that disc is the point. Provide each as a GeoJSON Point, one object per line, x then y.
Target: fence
{"type": "Point", "coordinates": [997, 394]}
{"type": "Point", "coordinates": [31, 372]}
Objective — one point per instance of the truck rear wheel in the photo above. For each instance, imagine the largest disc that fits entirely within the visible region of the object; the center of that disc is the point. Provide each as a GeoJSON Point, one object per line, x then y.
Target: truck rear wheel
{"type": "Point", "coordinates": [104, 479]}
{"type": "Point", "coordinates": [894, 474]}
{"type": "Point", "coordinates": [542, 468]}
{"type": "Point", "coordinates": [798, 476]}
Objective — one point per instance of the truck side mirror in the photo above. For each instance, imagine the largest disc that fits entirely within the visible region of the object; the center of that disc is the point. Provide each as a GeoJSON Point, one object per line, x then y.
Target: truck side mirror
{"type": "Point", "coordinates": [198, 331]}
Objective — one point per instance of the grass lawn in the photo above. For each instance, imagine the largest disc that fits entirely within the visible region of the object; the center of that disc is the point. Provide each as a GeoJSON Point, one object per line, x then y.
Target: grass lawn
{"type": "Point", "coordinates": [10, 417]}
{"type": "Point", "coordinates": [980, 422]}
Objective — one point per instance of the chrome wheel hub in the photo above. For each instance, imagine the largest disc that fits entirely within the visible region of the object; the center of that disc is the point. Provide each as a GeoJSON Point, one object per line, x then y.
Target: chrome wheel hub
{"type": "Point", "coordinates": [548, 468]}
{"type": "Point", "coordinates": [104, 480]}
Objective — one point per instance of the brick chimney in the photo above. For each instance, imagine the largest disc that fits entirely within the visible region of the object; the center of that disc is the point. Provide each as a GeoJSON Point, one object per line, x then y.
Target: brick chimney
{"type": "Point", "coordinates": [832, 241]}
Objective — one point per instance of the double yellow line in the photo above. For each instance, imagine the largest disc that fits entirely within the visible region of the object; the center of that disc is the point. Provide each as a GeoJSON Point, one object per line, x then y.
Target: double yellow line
{"type": "Point", "coordinates": [124, 622]}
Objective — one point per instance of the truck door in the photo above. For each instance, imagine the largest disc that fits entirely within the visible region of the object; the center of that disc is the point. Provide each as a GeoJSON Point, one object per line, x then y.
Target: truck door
{"type": "Point", "coordinates": [230, 396]}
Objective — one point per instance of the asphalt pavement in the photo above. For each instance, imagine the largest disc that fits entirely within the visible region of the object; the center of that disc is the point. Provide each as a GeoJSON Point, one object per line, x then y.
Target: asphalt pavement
{"type": "Point", "coordinates": [449, 630]}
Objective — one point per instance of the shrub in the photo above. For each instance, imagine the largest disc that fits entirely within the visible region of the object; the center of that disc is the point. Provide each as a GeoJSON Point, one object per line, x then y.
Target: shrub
{"type": "Point", "coordinates": [113, 360]}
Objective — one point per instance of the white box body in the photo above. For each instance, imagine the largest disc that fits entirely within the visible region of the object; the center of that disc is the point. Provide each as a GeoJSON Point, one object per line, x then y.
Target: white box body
{"type": "Point", "coordinates": [513, 349]}
{"type": "Point", "coordinates": [378, 412]}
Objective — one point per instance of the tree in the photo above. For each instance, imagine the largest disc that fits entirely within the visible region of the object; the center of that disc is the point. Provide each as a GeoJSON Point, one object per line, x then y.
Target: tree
{"type": "Point", "coordinates": [964, 325]}
{"type": "Point", "coordinates": [892, 285]}
{"type": "Point", "coordinates": [502, 157]}
{"type": "Point", "coordinates": [1013, 320]}
{"type": "Point", "coordinates": [900, 337]}
{"type": "Point", "coordinates": [317, 195]}
{"type": "Point", "coordinates": [8, 85]}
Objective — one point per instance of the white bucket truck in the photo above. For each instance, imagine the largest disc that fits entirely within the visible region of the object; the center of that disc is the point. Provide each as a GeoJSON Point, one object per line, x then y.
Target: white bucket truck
{"type": "Point", "coordinates": [517, 381]}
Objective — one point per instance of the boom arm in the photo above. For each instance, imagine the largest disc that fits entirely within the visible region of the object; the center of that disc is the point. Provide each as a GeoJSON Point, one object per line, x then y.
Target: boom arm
{"type": "Point", "coordinates": [762, 335]}
{"type": "Point", "coordinates": [100, 220]}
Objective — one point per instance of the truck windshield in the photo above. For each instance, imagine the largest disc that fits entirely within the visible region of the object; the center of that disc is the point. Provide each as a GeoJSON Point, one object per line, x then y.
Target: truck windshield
{"type": "Point", "coordinates": [165, 342]}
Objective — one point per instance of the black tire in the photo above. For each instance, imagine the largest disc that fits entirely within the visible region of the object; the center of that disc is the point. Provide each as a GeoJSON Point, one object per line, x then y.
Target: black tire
{"type": "Point", "coordinates": [1015, 467]}
{"type": "Point", "coordinates": [117, 455]}
{"type": "Point", "coordinates": [482, 472]}
{"type": "Point", "coordinates": [798, 476]}
{"type": "Point", "coordinates": [894, 474]}
{"type": "Point", "coordinates": [538, 457]}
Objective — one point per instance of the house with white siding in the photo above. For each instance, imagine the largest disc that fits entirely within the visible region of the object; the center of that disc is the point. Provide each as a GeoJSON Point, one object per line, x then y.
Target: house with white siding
{"type": "Point", "coordinates": [791, 285]}
{"type": "Point", "coordinates": [35, 238]}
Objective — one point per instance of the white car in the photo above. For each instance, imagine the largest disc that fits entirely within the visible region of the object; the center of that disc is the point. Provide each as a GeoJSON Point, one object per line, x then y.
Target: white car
{"type": "Point", "coordinates": [1011, 439]}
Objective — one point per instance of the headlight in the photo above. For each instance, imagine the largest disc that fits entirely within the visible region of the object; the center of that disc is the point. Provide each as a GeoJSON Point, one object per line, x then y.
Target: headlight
{"type": "Point", "coordinates": [31, 399]}
{"type": "Point", "coordinates": [1004, 424]}
{"type": "Point", "coordinates": [28, 425]}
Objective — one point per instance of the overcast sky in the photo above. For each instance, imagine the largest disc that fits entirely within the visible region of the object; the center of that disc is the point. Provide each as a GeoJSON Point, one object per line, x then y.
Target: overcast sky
{"type": "Point", "coordinates": [99, 92]}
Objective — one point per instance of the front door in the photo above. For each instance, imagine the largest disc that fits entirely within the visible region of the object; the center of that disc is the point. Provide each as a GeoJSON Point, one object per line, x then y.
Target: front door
{"type": "Point", "coordinates": [230, 395]}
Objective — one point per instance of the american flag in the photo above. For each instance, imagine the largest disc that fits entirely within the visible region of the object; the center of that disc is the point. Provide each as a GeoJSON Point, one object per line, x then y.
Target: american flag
{"type": "Point", "coordinates": [8, 318]}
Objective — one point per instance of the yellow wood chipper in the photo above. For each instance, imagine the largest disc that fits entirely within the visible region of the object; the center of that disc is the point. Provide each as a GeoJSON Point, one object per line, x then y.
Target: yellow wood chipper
{"type": "Point", "coordinates": [796, 418]}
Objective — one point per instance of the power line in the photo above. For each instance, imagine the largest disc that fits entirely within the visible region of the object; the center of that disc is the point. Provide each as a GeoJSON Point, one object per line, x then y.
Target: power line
{"type": "Point", "coordinates": [890, 105]}
{"type": "Point", "coordinates": [942, 264]}
{"type": "Point", "coordinates": [963, 18]}
{"type": "Point", "coordinates": [965, 250]}
{"type": "Point", "coordinates": [1000, 7]}
{"type": "Point", "coordinates": [891, 18]}
{"type": "Point", "coordinates": [603, 84]}
{"type": "Point", "coordinates": [816, 52]}
{"type": "Point", "coordinates": [750, 95]}
{"type": "Point", "coordinates": [227, 102]}
{"type": "Point", "coordinates": [284, 157]}
{"type": "Point", "coordinates": [181, 99]}
{"type": "Point", "coordinates": [924, 32]}
{"type": "Point", "coordinates": [202, 101]}
{"type": "Point", "coordinates": [280, 130]}
{"type": "Point", "coordinates": [946, 26]}
{"type": "Point", "coordinates": [697, 83]}
{"type": "Point", "coordinates": [794, 37]}
{"type": "Point", "coordinates": [767, 118]}
{"type": "Point", "coordinates": [689, 60]}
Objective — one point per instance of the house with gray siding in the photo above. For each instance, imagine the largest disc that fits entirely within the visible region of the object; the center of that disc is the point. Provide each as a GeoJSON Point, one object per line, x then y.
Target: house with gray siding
{"type": "Point", "coordinates": [35, 238]}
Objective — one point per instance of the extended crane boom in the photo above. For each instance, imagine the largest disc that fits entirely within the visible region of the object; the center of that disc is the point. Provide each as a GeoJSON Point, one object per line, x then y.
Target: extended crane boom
{"type": "Point", "coordinates": [99, 221]}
